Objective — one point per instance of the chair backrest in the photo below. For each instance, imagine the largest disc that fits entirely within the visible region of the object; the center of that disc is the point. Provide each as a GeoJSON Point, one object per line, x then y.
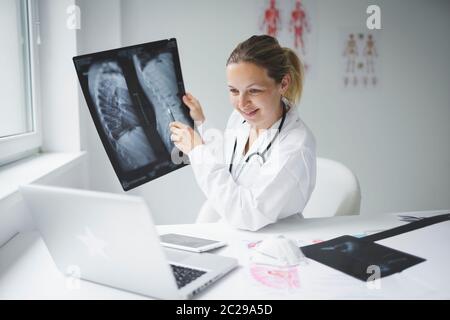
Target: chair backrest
{"type": "Point", "coordinates": [337, 191]}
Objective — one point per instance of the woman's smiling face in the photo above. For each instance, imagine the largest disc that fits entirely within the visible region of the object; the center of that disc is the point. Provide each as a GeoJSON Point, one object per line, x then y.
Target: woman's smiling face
{"type": "Point", "coordinates": [254, 94]}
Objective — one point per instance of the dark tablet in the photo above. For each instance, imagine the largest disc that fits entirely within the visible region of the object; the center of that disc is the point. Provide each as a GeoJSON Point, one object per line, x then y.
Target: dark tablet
{"type": "Point", "coordinates": [133, 93]}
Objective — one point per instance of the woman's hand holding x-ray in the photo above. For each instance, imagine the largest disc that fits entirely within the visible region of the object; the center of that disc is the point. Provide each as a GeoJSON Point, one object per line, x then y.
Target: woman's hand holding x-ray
{"type": "Point", "coordinates": [195, 109]}
{"type": "Point", "coordinates": [184, 137]}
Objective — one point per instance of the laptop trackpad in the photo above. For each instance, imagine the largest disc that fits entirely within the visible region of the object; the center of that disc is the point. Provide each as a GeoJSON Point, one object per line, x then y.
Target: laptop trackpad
{"type": "Point", "coordinates": [174, 255]}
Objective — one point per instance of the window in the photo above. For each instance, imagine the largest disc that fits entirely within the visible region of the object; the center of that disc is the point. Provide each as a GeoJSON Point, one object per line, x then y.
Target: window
{"type": "Point", "coordinates": [20, 132]}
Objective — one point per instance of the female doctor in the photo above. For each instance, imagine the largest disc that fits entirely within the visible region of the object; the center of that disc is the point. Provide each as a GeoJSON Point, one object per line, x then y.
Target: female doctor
{"type": "Point", "coordinates": [265, 169]}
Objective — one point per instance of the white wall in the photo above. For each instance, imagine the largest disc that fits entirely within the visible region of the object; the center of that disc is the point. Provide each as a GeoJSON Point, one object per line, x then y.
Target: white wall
{"type": "Point", "coordinates": [394, 139]}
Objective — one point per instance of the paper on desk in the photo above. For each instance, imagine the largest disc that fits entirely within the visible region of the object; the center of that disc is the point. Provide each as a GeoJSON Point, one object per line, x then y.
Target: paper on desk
{"type": "Point", "coordinates": [299, 282]}
{"type": "Point", "coordinates": [277, 282]}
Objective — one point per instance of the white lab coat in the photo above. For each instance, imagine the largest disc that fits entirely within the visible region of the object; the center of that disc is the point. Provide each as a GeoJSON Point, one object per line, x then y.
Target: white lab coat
{"type": "Point", "coordinates": [259, 195]}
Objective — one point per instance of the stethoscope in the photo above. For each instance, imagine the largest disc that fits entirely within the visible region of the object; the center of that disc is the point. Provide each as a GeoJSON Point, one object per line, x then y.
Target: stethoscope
{"type": "Point", "coordinates": [260, 155]}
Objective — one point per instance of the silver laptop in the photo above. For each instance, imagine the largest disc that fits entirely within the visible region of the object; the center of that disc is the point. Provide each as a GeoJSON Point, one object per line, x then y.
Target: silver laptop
{"type": "Point", "coordinates": [111, 240]}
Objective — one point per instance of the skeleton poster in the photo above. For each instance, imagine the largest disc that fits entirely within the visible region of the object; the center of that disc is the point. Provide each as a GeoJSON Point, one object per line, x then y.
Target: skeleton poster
{"type": "Point", "coordinates": [360, 60]}
{"type": "Point", "coordinates": [292, 23]}
{"type": "Point", "coordinates": [133, 94]}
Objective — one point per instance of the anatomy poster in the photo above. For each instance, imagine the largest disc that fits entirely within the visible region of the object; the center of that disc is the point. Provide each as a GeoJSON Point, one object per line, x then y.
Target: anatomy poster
{"type": "Point", "coordinates": [133, 94]}
{"type": "Point", "coordinates": [360, 60]}
{"type": "Point", "coordinates": [292, 22]}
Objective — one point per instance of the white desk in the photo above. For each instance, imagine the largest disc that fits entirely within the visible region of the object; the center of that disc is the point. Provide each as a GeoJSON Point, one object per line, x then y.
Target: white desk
{"type": "Point", "coordinates": [28, 272]}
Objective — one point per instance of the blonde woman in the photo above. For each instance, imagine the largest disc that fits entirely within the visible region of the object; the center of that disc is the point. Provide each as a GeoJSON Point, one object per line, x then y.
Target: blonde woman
{"type": "Point", "coordinates": [266, 167]}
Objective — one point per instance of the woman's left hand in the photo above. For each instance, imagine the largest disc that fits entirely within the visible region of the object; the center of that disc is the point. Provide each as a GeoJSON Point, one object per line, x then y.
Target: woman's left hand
{"type": "Point", "coordinates": [184, 137]}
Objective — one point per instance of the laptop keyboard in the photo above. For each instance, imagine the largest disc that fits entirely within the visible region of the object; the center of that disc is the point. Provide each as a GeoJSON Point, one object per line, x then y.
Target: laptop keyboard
{"type": "Point", "coordinates": [185, 275]}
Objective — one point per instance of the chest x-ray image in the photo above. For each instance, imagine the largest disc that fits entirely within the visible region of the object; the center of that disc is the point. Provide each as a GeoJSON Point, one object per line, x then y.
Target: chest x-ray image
{"type": "Point", "coordinates": [133, 94]}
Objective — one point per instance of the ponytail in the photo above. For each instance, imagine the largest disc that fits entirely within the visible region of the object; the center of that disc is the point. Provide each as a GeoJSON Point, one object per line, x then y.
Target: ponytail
{"type": "Point", "coordinates": [296, 71]}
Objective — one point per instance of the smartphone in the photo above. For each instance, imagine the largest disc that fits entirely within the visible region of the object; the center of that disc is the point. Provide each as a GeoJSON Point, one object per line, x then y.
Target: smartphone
{"type": "Point", "coordinates": [183, 242]}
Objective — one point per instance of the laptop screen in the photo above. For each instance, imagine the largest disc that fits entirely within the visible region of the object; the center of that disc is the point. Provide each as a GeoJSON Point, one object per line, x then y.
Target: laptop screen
{"type": "Point", "coordinates": [133, 93]}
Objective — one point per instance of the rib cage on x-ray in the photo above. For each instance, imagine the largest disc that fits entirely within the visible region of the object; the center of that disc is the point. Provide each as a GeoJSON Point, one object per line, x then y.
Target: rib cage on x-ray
{"type": "Point", "coordinates": [118, 117]}
{"type": "Point", "coordinates": [157, 78]}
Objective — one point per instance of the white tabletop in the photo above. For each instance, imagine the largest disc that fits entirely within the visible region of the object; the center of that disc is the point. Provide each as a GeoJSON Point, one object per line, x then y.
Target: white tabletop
{"type": "Point", "coordinates": [28, 272]}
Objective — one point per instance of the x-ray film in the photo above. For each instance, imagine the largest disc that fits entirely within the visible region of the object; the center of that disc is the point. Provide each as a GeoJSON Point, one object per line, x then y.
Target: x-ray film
{"type": "Point", "coordinates": [133, 93]}
{"type": "Point", "coordinates": [360, 258]}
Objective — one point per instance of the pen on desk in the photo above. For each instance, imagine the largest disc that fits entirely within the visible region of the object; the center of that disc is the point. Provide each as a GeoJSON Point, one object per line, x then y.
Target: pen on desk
{"type": "Point", "coordinates": [171, 114]}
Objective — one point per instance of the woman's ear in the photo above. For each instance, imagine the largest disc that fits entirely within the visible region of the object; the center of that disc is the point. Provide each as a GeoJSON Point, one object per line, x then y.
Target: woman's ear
{"type": "Point", "coordinates": [285, 82]}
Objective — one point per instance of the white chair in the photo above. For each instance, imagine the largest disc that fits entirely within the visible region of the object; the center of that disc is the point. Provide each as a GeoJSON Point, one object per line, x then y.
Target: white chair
{"type": "Point", "coordinates": [337, 191]}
